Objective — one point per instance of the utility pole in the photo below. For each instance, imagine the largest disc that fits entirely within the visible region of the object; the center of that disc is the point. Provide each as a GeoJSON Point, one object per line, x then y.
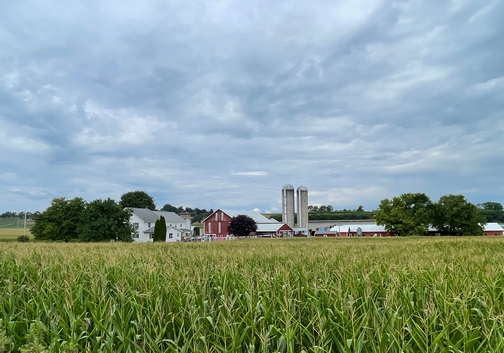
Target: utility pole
{"type": "Point", "coordinates": [25, 223]}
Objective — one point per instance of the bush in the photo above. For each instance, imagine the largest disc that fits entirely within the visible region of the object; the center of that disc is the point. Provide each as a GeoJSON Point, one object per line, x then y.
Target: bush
{"type": "Point", "coordinates": [23, 239]}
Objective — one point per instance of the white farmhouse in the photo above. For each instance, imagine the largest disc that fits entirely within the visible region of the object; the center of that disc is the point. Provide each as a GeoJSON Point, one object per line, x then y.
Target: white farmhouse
{"type": "Point", "coordinates": [143, 221]}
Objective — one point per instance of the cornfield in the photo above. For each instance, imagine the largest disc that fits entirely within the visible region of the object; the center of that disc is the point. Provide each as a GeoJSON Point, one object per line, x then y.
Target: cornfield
{"type": "Point", "coordinates": [298, 295]}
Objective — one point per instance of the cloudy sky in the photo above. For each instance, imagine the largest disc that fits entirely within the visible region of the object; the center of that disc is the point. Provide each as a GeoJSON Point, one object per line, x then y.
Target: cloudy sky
{"type": "Point", "coordinates": [218, 104]}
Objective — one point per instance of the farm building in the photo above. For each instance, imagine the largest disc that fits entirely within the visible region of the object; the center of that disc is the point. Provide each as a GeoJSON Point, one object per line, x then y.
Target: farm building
{"type": "Point", "coordinates": [143, 221]}
{"type": "Point", "coordinates": [216, 225]}
{"type": "Point", "coordinates": [353, 230]}
{"type": "Point", "coordinates": [492, 229]}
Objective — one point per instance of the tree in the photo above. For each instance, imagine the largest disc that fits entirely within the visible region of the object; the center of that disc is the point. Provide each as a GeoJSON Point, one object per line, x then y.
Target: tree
{"type": "Point", "coordinates": [105, 220]}
{"type": "Point", "coordinates": [137, 199]}
{"type": "Point", "coordinates": [491, 206]}
{"type": "Point", "coordinates": [169, 208]}
{"type": "Point", "coordinates": [160, 230]}
{"type": "Point", "coordinates": [60, 221]}
{"type": "Point", "coordinates": [360, 209]}
{"type": "Point", "coordinates": [242, 226]}
{"type": "Point", "coordinates": [492, 211]}
{"type": "Point", "coordinates": [454, 215]}
{"type": "Point", "coordinates": [407, 214]}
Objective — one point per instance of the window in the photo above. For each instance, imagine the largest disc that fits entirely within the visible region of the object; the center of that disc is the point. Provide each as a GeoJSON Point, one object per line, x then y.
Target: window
{"type": "Point", "coordinates": [151, 236]}
{"type": "Point", "coordinates": [222, 216]}
{"type": "Point", "coordinates": [135, 225]}
{"type": "Point", "coordinates": [170, 235]}
{"type": "Point", "coordinates": [148, 225]}
{"type": "Point", "coordinates": [136, 235]}
{"type": "Point", "coordinates": [216, 216]}
{"type": "Point", "coordinates": [220, 227]}
{"type": "Point", "coordinates": [209, 227]}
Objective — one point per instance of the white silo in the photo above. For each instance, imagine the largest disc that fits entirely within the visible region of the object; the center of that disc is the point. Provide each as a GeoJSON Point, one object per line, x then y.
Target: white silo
{"type": "Point", "coordinates": [302, 207]}
{"type": "Point", "coordinates": [288, 205]}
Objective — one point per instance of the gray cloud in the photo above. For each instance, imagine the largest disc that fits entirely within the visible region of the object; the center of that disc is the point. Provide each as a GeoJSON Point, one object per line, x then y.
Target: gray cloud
{"type": "Point", "coordinates": [219, 104]}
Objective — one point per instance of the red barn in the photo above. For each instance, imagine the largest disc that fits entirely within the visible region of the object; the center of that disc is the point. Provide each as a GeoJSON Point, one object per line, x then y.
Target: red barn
{"type": "Point", "coordinates": [216, 225]}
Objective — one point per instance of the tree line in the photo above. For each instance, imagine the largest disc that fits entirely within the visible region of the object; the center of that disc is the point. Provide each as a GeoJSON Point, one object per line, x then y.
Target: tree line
{"type": "Point", "coordinates": [76, 219]}
{"type": "Point", "coordinates": [414, 213]}
{"type": "Point", "coordinates": [9, 214]}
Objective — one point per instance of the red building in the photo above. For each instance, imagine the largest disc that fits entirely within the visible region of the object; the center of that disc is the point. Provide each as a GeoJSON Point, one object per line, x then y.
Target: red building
{"type": "Point", "coordinates": [217, 223]}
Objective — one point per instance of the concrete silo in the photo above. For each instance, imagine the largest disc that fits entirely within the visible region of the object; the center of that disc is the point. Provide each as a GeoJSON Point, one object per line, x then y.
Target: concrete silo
{"type": "Point", "coordinates": [288, 205]}
{"type": "Point", "coordinates": [302, 207]}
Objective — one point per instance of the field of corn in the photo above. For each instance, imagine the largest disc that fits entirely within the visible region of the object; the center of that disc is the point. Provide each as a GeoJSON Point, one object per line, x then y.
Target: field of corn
{"type": "Point", "coordinates": [298, 295]}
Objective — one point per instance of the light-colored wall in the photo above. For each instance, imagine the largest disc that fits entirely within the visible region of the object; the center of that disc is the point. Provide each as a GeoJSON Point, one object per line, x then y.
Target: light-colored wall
{"type": "Point", "coordinates": [142, 226]}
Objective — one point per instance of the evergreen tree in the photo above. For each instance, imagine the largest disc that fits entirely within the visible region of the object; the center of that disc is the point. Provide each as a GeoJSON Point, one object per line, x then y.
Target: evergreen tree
{"type": "Point", "coordinates": [160, 230]}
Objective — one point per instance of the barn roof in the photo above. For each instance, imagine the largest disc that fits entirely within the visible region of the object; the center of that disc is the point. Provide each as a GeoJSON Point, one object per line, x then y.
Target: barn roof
{"type": "Point", "coordinates": [256, 216]}
{"type": "Point", "coordinates": [269, 227]}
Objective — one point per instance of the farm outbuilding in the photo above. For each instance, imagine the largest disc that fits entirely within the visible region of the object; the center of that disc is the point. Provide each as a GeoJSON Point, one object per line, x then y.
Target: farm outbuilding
{"type": "Point", "coordinates": [216, 225]}
{"type": "Point", "coordinates": [353, 230]}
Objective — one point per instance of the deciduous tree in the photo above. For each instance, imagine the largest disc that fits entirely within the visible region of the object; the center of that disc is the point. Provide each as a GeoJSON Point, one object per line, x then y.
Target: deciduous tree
{"type": "Point", "coordinates": [60, 221]}
{"type": "Point", "coordinates": [105, 220]}
{"type": "Point", "coordinates": [137, 199]}
{"type": "Point", "coordinates": [454, 215]}
{"type": "Point", "coordinates": [407, 214]}
{"type": "Point", "coordinates": [242, 226]}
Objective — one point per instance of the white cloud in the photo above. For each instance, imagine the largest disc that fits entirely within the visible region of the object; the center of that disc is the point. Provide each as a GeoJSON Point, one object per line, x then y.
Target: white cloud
{"type": "Point", "coordinates": [256, 173]}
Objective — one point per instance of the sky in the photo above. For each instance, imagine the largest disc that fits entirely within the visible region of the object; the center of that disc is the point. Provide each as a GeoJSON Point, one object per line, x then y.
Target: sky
{"type": "Point", "coordinates": [218, 104]}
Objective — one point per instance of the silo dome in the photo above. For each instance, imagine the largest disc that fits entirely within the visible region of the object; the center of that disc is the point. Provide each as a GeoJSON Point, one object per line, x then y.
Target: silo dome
{"type": "Point", "coordinates": [302, 188]}
{"type": "Point", "coordinates": [288, 187]}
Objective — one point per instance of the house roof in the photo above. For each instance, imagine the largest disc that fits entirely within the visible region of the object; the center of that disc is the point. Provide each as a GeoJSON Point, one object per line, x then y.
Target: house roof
{"type": "Point", "coordinates": [145, 214]}
{"type": "Point", "coordinates": [256, 216]}
{"type": "Point", "coordinates": [152, 216]}
{"type": "Point", "coordinates": [170, 216]}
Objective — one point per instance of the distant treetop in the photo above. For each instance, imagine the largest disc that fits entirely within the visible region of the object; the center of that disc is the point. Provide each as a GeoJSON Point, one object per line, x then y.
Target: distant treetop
{"type": "Point", "coordinates": [137, 199]}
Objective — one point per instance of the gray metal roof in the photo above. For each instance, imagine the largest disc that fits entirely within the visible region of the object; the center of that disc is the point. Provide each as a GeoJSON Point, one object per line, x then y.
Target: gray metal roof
{"type": "Point", "coordinates": [268, 227]}
{"type": "Point", "coordinates": [170, 216]}
{"type": "Point", "coordinates": [288, 187]}
{"type": "Point", "coordinates": [257, 217]}
{"type": "Point", "coordinates": [363, 227]}
{"type": "Point", "coordinates": [145, 214]}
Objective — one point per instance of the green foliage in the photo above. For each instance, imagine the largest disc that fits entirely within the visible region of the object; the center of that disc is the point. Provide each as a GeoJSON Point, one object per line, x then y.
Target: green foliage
{"type": "Point", "coordinates": [60, 221]}
{"type": "Point", "coordinates": [276, 216]}
{"type": "Point", "coordinates": [137, 199]}
{"type": "Point", "coordinates": [197, 214]}
{"type": "Point", "coordinates": [407, 214]}
{"type": "Point", "coordinates": [492, 211]}
{"type": "Point", "coordinates": [339, 215]}
{"type": "Point", "coordinates": [160, 230]}
{"type": "Point", "coordinates": [242, 226]}
{"type": "Point", "coordinates": [169, 208]}
{"type": "Point", "coordinates": [3, 337]}
{"type": "Point", "coordinates": [283, 296]}
{"type": "Point", "coordinates": [35, 340]}
{"type": "Point", "coordinates": [105, 220]}
{"type": "Point", "coordinates": [23, 239]}
{"type": "Point", "coordinates": [454, 215]}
